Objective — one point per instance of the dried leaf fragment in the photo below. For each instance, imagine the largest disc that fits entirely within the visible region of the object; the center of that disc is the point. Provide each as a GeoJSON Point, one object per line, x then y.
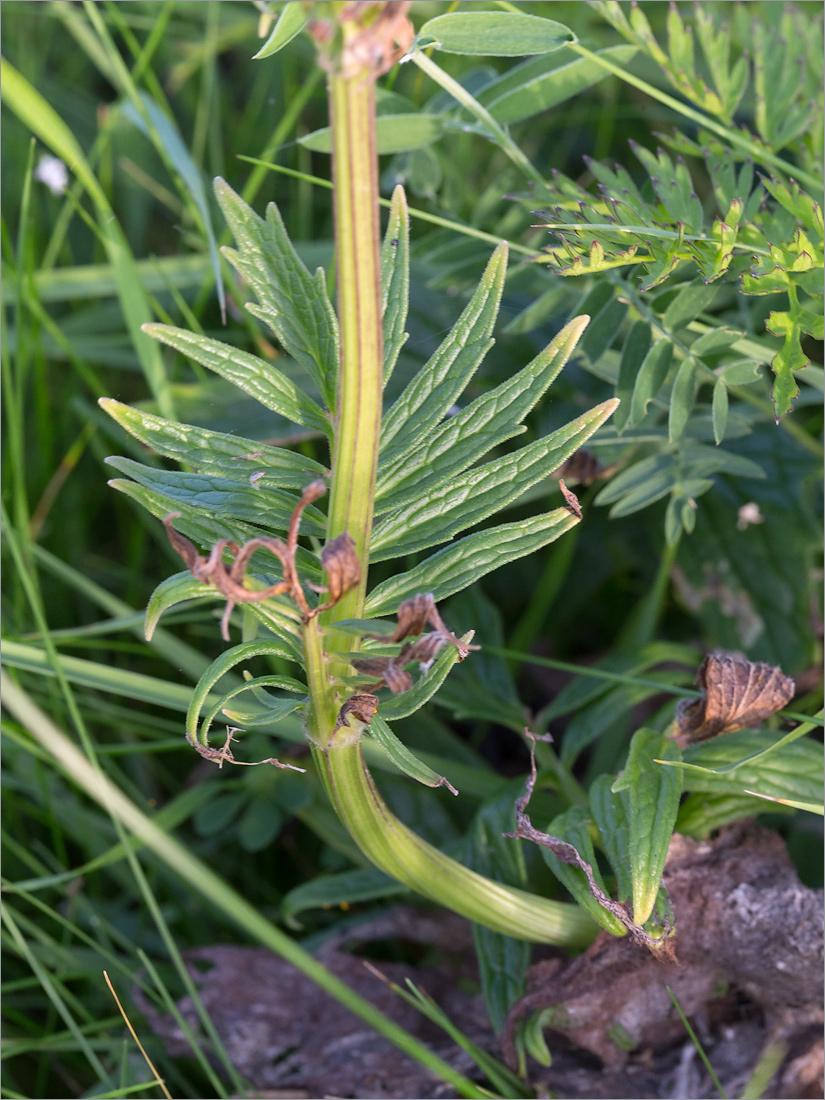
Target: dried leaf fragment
{"type": "Point", "coordinates": [567, 853]}
{"type": "Point", "coordinates": [362, 706]}
{"type": "Point", "coordinates": [388, 670]}
{"type": "Point", "coordinates": [383, 36]}
{"type": "Point", "coordinates": [737, 693]}
{"type": "Point", "coordinates": [342, 566]}
{"type": "Point", "coordinates": [571, 501]}
{"type": "Point", "coordinates": [341, 561]}
{"type": "Point", "coordinates": [413, 616]}
{"type": "Point", "coordinates": [582, 466]}
{"type": "Point", "coordinates": [225, 755]}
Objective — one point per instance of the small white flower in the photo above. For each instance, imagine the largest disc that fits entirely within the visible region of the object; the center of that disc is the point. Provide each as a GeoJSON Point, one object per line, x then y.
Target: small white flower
{"type": "Point", "coordinates": [749, 513]}
{"type": "Point", "coordinates": [52, 171]}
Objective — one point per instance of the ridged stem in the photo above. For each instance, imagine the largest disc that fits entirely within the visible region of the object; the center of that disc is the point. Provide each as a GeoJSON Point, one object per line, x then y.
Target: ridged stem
{"type": "Point", "coordinates": [385, 840]}
{"type": "Point", "coordinates": [358, 268]}
{"type": "Point", "coordinates": [403, 855]}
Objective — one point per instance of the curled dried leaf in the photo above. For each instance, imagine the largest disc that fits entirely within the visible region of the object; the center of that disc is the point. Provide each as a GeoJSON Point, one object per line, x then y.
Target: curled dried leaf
{"type": "Point", "coordinates": [567, 853]}
{"type": "Point", "coordinates": [342, 567]}
{"type": "Point", "coordinates": [229, 581]}
{"type": "Point", "coordinates": [362, 706]}
{"type": "Point", "coordinates": [418, 612]}
{"type": "Point", "coordinates": [390, 672]}
{"type": "Point", "coordinates": [737, 693]}
{"type": "Point", "coordinates": [225, 755]}
{"type": "Point", "coordinates": [413, 616]}
{"type": "Point", "coordinates": [571, 501]}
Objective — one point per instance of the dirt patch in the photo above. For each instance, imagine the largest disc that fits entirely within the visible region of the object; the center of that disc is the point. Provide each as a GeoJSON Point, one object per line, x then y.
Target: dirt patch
{"type": "Point", "coordinates": [749, 949]}
{"type": "Point", "coordinates": [749, 977]}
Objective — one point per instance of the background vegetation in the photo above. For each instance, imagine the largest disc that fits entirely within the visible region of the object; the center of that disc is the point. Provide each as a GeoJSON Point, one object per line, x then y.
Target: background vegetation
{"type": "Point", "coordinates": [690, 552]}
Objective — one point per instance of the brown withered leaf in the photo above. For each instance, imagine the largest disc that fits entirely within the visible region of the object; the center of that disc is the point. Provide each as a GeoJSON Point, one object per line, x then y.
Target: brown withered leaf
{"type": "Point", "coordinates": [342, 567]}
{"type": "Point", "coordinates": [389, 670]}
{"type": "Point", "coordinates": [581, 466]}
{"type": "Point", "coordinates": [571, 501]}
{"type": "Point", "coordinates": [362, 706]}
{"type": "Point", "coordinates": [413, 615]}
{"type": "Point", "coordinates": [397, 678]}
{"type": "Point", "coordinates": [229, 582]}
{"type": "Point", "coordinates": [738, 693]}
{"type": "Point", "coordinates": [371, 666]}
{"type": "Point", "coordinates": [567, 853]}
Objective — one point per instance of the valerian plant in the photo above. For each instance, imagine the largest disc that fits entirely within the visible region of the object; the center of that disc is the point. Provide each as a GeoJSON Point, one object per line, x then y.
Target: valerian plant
{"type": "Point", "coordinates": [419, 475]}
{"type": "Point", "coordinates": [398, 482]}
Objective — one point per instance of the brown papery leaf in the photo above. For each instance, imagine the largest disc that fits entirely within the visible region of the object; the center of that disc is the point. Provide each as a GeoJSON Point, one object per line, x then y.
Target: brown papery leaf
{"type": "Point", "coordinates": [738, 693]}
{"type": "Point", "coordinates": [362, 707]}
{"type": "Point", "coordinates": [571, 501]}
{"type": "Point", "coordinates": [390, 670]}
{"type": "Point", "coordinates": [341, 565]}
{"type": "Point", "coordinates": [413, 616]}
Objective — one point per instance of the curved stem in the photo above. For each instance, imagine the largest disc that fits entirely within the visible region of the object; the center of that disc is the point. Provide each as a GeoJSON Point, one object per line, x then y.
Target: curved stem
{"type": "Point", "coordinates": [399, 852]}
{"type": "Point", "coordinates": [382, 837]}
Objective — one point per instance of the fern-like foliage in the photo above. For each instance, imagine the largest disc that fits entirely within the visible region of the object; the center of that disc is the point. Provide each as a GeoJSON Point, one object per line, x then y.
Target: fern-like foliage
{"type": "Point", "coordinates": [764, 231]}
{"type": "Point", "coordinates": [440, 475]}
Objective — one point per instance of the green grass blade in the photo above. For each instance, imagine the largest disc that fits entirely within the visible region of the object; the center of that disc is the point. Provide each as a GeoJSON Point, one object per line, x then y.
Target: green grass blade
{"type": "Point", "coordinates": [33, 110]}
{"type": "Point", "coordinates": [213, 888]}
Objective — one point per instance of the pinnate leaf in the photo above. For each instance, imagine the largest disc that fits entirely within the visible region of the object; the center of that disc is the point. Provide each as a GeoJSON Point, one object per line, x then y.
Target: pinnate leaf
{"type": "Point", "coordinates": [435, 388]}
{"type": "Point", "coordinates": [455, 567]}
{"type": "Point", "coordinates": [220, 496]}
{"type": "Point", "coordinates": [293, 303]}
{"type": "Point", "coordinates": [178, 588]}
{"type": "Point", "coordinates": [477, 494]}
{"type": "Point", "coordinates": [404, 760]}
{"type": "Point", "coordinates": [215, 452]}
{"type": "Point", "coordinates": [408, 702]}
{"type": "Point", "coordinates": [198, 522]}
{"type": "Point", "coordinates": [486, 422]}
{"type": "Point", "coordinates": [395, 279]}
{"type": "Point", "coordinates": [253, 375]}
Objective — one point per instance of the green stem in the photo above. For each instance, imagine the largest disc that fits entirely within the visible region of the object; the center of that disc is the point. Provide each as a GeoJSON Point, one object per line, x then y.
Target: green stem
{"type": "Point", "coordinates": [390, 845]}
{"type": "Point", "coordinates": [381, 836]}
{"type": "Point", "coordinates": [358, 267]}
